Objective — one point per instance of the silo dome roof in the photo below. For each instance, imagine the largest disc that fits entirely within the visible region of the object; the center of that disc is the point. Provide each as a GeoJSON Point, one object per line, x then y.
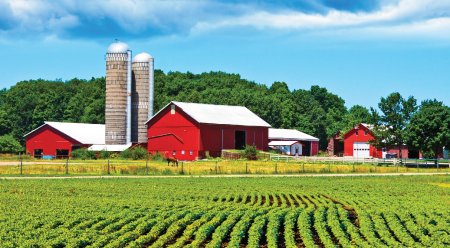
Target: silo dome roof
{"type": "Point", "coordinates": [118, 47]}
{"type": "Point", "coordinates": [141, 58]}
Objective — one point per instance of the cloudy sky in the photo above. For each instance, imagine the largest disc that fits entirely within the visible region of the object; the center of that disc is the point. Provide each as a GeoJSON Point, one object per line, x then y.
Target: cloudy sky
{"type": "Point", "coordinates": [358, 49]}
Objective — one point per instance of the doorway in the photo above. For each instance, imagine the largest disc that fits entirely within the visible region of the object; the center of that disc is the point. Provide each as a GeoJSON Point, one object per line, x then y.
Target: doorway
{"type": "Point", "coordinates": [38, 153]}
{"type": "Point", "coordinates": [60, 153]}
{"type": "Point", "coordinates": [239, 140]}
{"type": "Point", "coordinates": [413, 154]}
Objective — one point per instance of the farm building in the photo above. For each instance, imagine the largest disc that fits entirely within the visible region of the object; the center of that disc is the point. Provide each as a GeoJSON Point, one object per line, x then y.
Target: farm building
{"type": "Point", "coordinates": [310, 144]}
{"type": "Point", "coordinates": [188, 131]}
{"type": "Point", "coordinates": [292, 148]}
{"type": "Point", "coordinates": [355, 144]}
{"type": "Point", "coordinates": [59, 139]}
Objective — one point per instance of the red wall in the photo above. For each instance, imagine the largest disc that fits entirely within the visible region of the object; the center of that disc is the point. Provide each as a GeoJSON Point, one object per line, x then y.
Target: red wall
{"type": "Point", "coordinates": [351, 137]}
{"type": "Point", "coordinates": [49, 139]}
{"type": "Point", "coordinates": [211, 137]}
{"type": "Point", "coordinates": [314, 147]}
{"type": "Point", "coordinates": [188, 135]}
{"type": "Point", "coordinates": [185, 136]}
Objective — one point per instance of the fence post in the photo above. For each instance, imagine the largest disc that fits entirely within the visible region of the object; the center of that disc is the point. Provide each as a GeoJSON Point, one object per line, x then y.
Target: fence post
{"type": "Point", "coordinates": [287, 158]}
{"type": "Point", "coordinates": [278, 157]}
{"type": "Point", "coordinates": [276, 171]}
{"type": "Point", "coordinates": [397, 165]}
{"type": "Point", "coordinates": [426, 163]}
{"type": "Point", "coordinates": [20, 166]}
{"type": "Point", "coordinates": [245, 167]}
{"type": "Point", "coordinates": [437, 161]}
{"type": "Point", "coordinates": [417, 165]}
{"type": "Point", "coordinates": [67, 166]}
{"type": "Point", "coordinates": [353, 167]}
{"type": "Point", "coordinates": [182, 167]}
{"type": "Point", "coordinates": [324, 159]}
{"type": "Point", "coordinates": [375, 167]}
{"type": "Point", "coordinates": [303, 168]}
{"type": "Point", "coordinates": [216, 167]}
{"type": "Point", "coordinates": [108, 167]}
{"type": "Point", "coordinates": [384, 161]}
{"type": "Point", "coordinates": [364, 160]}
{"type": "Point", "coordinates": [146, 166]}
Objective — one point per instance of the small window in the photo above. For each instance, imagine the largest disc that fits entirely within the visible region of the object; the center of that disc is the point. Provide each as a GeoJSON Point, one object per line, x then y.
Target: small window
{"type": "Point", "coordinates": [174, 153]}
{"type": "Point", "coordinates": [182, 152]}
{"type": "Point", "coordinates": [356, 133]}
{"type": "Point", "coordinates": [172, 109]}
{"type": "Point", "coordinates": [365, 133]}
{"type": "Point", "coordinates": [190, 153]}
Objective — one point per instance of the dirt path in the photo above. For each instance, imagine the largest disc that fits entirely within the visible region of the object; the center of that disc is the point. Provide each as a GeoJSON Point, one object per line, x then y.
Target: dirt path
{"type": "Point", "coordinates": [7, 163]}
{"type": "Point", "coordinates": [215, 176]}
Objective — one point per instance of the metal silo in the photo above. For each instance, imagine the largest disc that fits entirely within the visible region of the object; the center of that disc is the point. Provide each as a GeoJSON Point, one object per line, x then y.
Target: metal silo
{"type": "Point", "coordinates": [142, 96]}
{"type": "Point", "coordinates": [118, 94]}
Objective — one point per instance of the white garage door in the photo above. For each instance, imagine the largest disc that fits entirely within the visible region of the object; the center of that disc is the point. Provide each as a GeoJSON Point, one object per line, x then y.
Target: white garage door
{"type": "Point", "coordinates": [361, 150]}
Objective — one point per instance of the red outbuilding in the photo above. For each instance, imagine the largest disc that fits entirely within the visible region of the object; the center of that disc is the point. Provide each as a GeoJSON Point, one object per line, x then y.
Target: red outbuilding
{"type": "Point", "coordinates": [356, 144]}
{"type": "Point", "coordinates": [59, 139]}
{"type": "Point", "coordinates": [188, 131]}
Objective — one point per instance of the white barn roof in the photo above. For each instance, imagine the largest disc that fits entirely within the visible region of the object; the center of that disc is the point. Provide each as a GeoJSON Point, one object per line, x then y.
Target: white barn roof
{"type": "Point", "coordinates": [283, 143]}
{"type": "Point", "coordinates": [110, 148]}
{"type": "Point", "coordinates": [289, 134]}
{"type": "Point", "coordinates": [219, 114]}
{"type": "Point", "coordinates": [84, 133]}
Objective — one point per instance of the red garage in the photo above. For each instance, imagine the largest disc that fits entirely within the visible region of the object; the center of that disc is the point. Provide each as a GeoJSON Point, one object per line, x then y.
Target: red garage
{"type": "Point", "coordinates": [189, 131]}
{"type": "Point", "coordinates": [58, 139]}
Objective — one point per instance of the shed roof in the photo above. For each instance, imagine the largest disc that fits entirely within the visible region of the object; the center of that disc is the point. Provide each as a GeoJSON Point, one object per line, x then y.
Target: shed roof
{"type": "Point", "coordinates": [284, 143]}
{"type": "Point", "coordinates": [111, 148]}
{"type": "Point", "coordinates": [82, 132]}
{"type": "Point", "coordinates": [219, 114]}
{"type": "Point", "coordinates": [290, 134]}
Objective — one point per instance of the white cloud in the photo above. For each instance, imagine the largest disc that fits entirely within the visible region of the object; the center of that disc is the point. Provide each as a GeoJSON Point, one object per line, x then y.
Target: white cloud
{"type": "Point", "coordinates": [137, 18]}
{"type": "Point", "coordinates": [408, 16]}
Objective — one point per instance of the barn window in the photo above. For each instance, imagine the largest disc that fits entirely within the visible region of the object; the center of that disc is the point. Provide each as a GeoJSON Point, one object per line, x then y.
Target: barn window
{"type": "Point", "coordinates": [174, 152]}
{"type": "Point", "coordinates": [190, 153]}
{"type": "Point", "coordinates": [172, 109]}
{"type": "Point", "coordinates": [356, 133]}
{"type": "Point", "coordinates": [365, 133]}
{"type": "Point", "coordinates": [182, 152]}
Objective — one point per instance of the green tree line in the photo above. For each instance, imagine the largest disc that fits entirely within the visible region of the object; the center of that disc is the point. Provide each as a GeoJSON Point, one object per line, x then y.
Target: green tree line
{"type": "Point", "coordinates": [26, 105]}
{"type": "Point", "coordinates": [315, 111]}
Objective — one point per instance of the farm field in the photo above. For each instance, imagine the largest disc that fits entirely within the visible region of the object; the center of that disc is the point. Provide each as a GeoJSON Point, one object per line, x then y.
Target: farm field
{"type": "Point", "coordinates": [401, 211]}
{"type": "Point", "coordinates": [230, 167]}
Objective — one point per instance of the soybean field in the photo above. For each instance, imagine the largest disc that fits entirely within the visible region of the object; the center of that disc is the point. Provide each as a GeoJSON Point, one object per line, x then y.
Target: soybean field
{"type": "Point", "coordinates": [401, 211]}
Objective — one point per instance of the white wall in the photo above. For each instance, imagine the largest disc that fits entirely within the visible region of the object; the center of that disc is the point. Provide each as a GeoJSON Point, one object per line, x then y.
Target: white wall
{"type": "Point", "coordinates": [293, 147]}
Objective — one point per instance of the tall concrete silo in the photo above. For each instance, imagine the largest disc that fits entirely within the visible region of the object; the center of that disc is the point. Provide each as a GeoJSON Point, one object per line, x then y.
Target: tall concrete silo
{"type": "Point", "coordinates": [118, 94]}
{"type": "Point", "coordinates": [142, 96]}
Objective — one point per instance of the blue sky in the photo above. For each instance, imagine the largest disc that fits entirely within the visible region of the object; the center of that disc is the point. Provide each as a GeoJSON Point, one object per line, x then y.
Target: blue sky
{"type": "Point", "coordinates": [359, 50]}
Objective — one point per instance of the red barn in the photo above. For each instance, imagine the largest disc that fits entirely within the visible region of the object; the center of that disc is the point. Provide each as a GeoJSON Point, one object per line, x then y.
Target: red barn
{"type": "Point", "coordinates": [59, 139]}
{"type": "Point", "coordinates": [356, 145]}
{"type": "Point", "coordinates": [189, 131]}
{"type": "Point", "coordinates": [356, 142]}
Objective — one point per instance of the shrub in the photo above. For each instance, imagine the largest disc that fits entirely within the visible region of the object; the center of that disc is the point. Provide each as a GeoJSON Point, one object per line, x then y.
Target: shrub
{"type": "Point", "coordinates": [126, 154]}
{"type": "Point", "coordinates": [83, 154]}
{"type": "Point", "coordinates": [9, 145]}
{"type": "Point", "coordinates": [157, 157]}
{"type": "Point", "coordinates": [104, 154]}
{"type": "Point", "coordinates": [250, 152]}
{"type": "Point", "coordinates": [139, 153]}
{"type": "Point", "coordinates": [134, 153]}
